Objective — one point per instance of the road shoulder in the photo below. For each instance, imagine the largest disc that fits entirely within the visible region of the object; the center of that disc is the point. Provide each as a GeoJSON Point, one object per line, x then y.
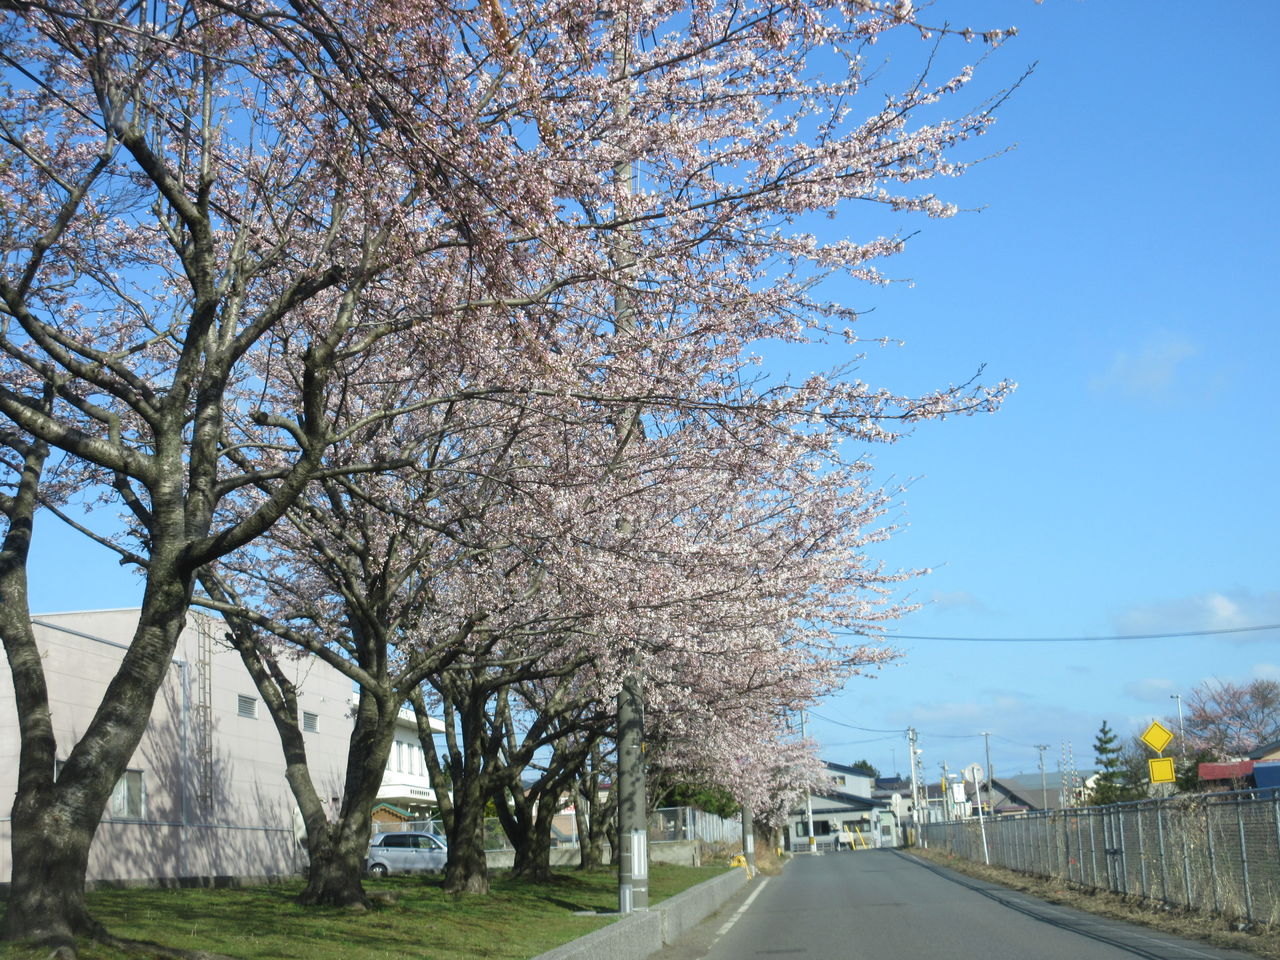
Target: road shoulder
{"type": "Point", "coordinates": [1140, 928]}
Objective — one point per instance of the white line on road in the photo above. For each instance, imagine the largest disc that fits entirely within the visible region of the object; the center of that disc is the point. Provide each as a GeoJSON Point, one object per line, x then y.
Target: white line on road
{"type": "Point", "coordinates": [741, 910]}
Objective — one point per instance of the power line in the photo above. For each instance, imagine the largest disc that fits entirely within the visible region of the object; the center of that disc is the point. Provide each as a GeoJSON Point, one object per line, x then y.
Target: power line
{"type": "Point", "coordinates": [900, 731]}
{"type": "Point", "coordinates": [849, 743]}
{"type": "Point", "coordinates": [1097, 639]}
{"type": "Point", "coordinates": [853, 726]}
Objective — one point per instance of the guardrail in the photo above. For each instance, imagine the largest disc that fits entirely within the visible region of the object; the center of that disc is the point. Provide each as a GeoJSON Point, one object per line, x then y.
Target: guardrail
{"type": "Point", "coordinates": [1217, 852]}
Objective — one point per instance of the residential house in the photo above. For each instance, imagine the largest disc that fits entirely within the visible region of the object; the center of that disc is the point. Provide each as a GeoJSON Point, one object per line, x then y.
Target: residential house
{"type": "Point", "coordinates": [1027, 791]}
{"type": "Point", "coordinates": [1259, 768]}
{"type": "Point", "coordinates": [204, 794]}
{"type": "Point", "coordinates": [846, 804]}
{"type": "Point", "coordinates": [406, 795]}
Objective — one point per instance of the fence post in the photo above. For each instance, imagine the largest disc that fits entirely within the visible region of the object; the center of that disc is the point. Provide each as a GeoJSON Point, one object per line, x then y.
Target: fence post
{"type": "Point", "coordinates": [1275, 809]}
{"type": "Point", "coordinates": [1093, 849]}
{"type": "Point", "coordinates": [1019, 860]}
{"type": "Point", "coordinates": [1061, 844]}
{"type": "Point", "coordinates": [1033, 842]}
{"type": "Point", "coordinates": [1079, 848]}
{"type": "Point", "coordinates": [1142, 853]}
{"type": "Point", "coordinates": [1106, 843]}
{"type": "Point", "coordinates": [1213, 865]}
{"type": "Point", "coordinates": [1186, 857]}
{"type": "Point", "coordinates": [1244, 862]}
{"type": "Point", "coordinates": [1164, 864]}
{"type": "Point", "coordinates": [1050, 828]}
{"type": "Point", "coordinates": [1036, 844]}
{"type": "Point", "coordinates": [1035, 833]}
{"type": "Point", "coordinates": [1121, 858]}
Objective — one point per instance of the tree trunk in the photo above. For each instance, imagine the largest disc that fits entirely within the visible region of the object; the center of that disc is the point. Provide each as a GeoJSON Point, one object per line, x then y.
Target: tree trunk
{"type": "Point", "coordinates": [467, 869]}
{"type": "Point", "coordinates": [51, 843]}
{"type": "Point", "coordinates": [337, 865]}
{"type": "Point", "coordinates": [54, 822]}
{"type": "Point", "coordinates": [337, 856]}
{"type": "Point", "coordinates": [592, 814]}
{"type": "Point", "coordinates": [528, 824]}
{"type": "Point", "coordinates": [590, 843]}
{"type": "Point", "coordinates": [536, 864]}
{"type": "Point", "coordinates": [516, 816]}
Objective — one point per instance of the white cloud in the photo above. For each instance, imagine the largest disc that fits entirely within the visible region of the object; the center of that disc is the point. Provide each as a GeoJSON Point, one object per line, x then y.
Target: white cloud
{"type": "Point", "coordinates": [1215, 610]}
{"type": "Point", "coordinates": [1266, 671]}
{"type": "Point", "coordinates": [957, 600]}
{"type": "Point", "coordinates": [1150, 689]}
{"type": "Point", "coordinates": [1150, 371]}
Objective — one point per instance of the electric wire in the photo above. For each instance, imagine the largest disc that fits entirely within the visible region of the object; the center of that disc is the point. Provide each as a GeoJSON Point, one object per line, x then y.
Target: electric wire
{"type": "Point", "coordinates": [1095, 639]}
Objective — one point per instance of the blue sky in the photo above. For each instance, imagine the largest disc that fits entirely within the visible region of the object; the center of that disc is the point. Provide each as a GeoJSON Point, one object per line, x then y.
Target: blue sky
{"type": "Point", "coordinates": [1122, 270]}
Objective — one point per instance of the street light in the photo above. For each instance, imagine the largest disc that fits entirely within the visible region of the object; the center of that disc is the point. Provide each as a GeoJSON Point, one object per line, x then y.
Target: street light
{"type": "Point", "coordinates": [1182, 730]}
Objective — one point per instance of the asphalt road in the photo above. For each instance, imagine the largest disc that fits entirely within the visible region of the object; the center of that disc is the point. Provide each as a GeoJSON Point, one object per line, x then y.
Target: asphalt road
{"type": "Point", "coordinates": [884, 905]}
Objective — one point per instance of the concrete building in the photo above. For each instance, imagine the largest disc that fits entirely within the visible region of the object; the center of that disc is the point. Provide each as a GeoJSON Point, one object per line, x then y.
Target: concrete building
{"type": "Point", "coordinates": [204, 794]}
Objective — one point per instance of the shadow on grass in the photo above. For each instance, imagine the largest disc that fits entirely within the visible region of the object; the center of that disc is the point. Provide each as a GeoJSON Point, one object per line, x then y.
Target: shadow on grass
{"type": "Point", "coordinates": [409, 916]}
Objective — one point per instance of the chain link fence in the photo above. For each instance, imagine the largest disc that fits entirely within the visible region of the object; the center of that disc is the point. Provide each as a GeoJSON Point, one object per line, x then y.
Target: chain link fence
{"type": "Point", "coordinates": [666, 825]}
{"type": "Point", "coordinates": [1217, 852]}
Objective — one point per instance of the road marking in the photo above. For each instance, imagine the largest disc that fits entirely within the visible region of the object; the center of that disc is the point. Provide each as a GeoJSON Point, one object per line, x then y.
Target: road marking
{"type": "Point", "coordinates": [724, 928]}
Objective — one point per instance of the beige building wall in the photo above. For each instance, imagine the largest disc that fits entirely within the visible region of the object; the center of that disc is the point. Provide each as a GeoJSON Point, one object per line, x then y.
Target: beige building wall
{"type": "Point", "coordinates": [205, 795]}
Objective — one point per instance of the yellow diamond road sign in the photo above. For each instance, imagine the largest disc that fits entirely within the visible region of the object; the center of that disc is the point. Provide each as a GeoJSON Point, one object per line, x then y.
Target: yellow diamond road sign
{"type": "Point", "coordinates": [1157, 737]}
{"type": "Point", "coordinates": [1162, 770]}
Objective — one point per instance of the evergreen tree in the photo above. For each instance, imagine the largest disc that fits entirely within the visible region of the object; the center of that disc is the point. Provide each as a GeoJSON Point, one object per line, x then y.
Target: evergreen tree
{"type": "Point", "coordinates": [866, 767]}
{"type": "Point", "coordinates": [1112, 785]}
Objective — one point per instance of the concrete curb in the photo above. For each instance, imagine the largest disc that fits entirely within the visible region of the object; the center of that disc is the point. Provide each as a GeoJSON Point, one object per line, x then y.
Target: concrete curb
{"type": "Point", "coordinates": [639, 935]}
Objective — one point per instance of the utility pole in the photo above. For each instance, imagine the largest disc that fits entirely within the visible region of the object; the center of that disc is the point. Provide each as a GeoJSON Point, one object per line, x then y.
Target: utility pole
{"type": "Point", "coordinates": [633, 826]}
{"type": "Point", "coordinates": [991, 775]}
{"type": "Point", "coordinates": [633, 832]}
{"type": "Point", "coordinates": [808, 799]}
{"type": "Point", "coordinates": [1044, 788]}
{"type": "Point", "coordinates": [1182, 730]}
{"type": "Point", "coordinates": [915, 784]}
{"type": "Point", "coordinates": [948, 805]}
{"type": "Point", "coordinates": [749, 839]}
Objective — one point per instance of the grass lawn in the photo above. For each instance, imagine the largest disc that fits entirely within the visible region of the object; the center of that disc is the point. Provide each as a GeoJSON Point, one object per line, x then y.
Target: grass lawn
{"type": "Point", "coordinates": [412, 918]}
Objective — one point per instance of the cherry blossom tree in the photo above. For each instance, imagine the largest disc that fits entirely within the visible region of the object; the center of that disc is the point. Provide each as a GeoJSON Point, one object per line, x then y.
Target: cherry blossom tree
{"type": "Point", "coordinates": [212, 213]}
{"type": "Point", "coordinates": [185, 203]}
{"type": "Point", "coordinates": [1226, 719]}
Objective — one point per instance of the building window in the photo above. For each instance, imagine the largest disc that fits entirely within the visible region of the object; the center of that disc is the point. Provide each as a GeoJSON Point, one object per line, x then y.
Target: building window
{"type": "Point", "coordinates": [310, 722]}
{"type": "Point", "coordinates": [247, 706]}
{"type": "Point", "coordinates": [126, 798]}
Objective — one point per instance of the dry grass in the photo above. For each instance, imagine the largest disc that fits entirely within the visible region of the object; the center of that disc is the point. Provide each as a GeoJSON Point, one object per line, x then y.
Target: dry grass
{"type": "Point", "coordinates": [1261, 940]}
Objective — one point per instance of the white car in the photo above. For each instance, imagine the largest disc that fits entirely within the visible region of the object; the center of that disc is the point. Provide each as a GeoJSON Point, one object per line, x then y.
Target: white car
{"type": "Point", "coordinates": [405, 852]}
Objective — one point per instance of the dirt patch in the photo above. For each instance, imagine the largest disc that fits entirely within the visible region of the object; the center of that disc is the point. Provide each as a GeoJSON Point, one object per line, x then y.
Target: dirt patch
{"type": "Point", "coordinates": [1261, 940]}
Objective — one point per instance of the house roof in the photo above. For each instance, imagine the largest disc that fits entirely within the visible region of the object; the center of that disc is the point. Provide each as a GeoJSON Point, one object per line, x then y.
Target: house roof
{"type": "Point", "coordinates": [1268, 751]}
{"type": "Point", "coordinates": [1236, 770]}
{"type": "Point", "coordinates": [840, 767]}
{"type": "Point", "coordinates": [1018, 794]}
{"type": "Point", "coordinates": [834, 800]}
{"type": "Point", "coordinates": [892, 784]}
